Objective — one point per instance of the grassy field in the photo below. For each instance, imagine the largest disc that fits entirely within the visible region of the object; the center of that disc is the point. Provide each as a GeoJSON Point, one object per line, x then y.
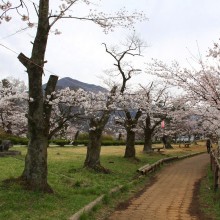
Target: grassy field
{"type": "Point", "coordinates": [74, 186]}
{"type": "Point", "coordinates": [209, 200]}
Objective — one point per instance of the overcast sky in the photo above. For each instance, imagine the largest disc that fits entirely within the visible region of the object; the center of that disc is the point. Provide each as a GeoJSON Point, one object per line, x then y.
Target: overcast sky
{"type": "Point", "coordinates": [176, 29]}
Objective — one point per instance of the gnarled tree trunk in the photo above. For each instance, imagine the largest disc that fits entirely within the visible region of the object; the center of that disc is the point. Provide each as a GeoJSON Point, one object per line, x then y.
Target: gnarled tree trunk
{"type": "Point", "coordinates": [147, 135]}
{"type": "Point", "coordinates": [94, 146]}
{"type": "Point", "coordinates": [35, 171]}
{"type": "Point", "coordinates": [34, 175]}
{"type": "Point", "coordinates": [130, 124]}
{"type": "Point", "coordinates": [147, 140]}
{"type": "Point", "coordinates": [130, 144]}
{"type": "Point", "coordinates": [93, 149]}
{"type": "Point", "coordinates": [97, 126]}
{"type": "Point", "coordinates": [167, 142]}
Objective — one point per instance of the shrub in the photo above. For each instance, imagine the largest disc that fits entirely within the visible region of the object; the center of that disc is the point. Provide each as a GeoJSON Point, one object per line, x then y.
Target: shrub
{"type": "Point", "coordinates": [105, 142]}
{"type": "Point", "coordinates": [60, 142]}
{"type": "Point", "coordinates": [15, 140]}
{"type": "Point", "coordinates": [81, 142]}
{"type": "Point", "coordinates": [83, 136]}
{"type": "Point", "coordinates": [113, 143]}
{"type": "Point", "coordinates": [139, 142]}
{"type": "Point", "coordinates": [107, 137]}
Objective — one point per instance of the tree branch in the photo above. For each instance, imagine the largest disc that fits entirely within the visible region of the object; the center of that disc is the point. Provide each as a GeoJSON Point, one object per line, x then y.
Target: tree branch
{"type": "Point", "coordinates": [24, 60]}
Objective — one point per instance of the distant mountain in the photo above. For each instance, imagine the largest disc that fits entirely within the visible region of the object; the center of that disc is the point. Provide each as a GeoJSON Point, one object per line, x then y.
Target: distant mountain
{"type": "Point", "coordinates": [75, 84]}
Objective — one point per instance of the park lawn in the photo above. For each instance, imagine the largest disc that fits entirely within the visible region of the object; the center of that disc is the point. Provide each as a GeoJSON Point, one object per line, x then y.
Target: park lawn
{"type": "Point", "coordinates": [74, 187]}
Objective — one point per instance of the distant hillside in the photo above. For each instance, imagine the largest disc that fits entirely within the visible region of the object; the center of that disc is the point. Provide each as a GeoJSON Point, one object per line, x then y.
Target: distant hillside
{"type": "Point", "coordinates": [75, 84]}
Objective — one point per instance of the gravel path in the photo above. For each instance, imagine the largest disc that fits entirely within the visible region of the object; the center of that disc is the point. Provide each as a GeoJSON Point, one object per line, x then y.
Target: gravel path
{"type": "Point", "coordinates": [170, 196]}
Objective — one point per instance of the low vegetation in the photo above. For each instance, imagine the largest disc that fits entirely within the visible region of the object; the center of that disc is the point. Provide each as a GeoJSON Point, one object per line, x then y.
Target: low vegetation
{"type": "Point", "coordinates": [73, 185]}
{"type": "Point", "coordinates": [209, 200]}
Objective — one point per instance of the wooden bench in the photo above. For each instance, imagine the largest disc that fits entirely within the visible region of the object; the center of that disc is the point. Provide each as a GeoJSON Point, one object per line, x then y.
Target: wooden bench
{"type": "Point", "coordinates": [157, 148]}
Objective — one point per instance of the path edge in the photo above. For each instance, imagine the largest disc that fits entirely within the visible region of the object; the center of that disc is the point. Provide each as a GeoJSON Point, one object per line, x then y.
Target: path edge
{"type": "Point", "coordinates": [152, 167]}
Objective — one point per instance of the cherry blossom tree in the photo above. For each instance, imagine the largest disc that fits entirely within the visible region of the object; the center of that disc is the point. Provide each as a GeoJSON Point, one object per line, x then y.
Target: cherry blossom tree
{"type": "Point", "coordinates": [207, 121]}
{"type": "Point", "coordinates": [155, 107]}
{"type": "Point", "coordinates": [127, 115]}
{"type": "Point", "coordinates": [182, 121]}
{"type": "Point", "coordinates": [123, 66]}
{"type": "Point", "coordinates": [39, 110]}
{"type": "Point", "coordinates": [199, 84]}
{"type": "Point", "coordinates": [13, 98]}
{"type": "Point", "coordinates": [93, 108]}
{"type": "Point", "coordinates": [66, 109]}
{"type": "Point", "coordinates": [98, 110]}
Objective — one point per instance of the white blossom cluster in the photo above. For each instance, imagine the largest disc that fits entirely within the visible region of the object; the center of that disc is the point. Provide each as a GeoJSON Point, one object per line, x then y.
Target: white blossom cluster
{"type": "Point", "coordinates": [200, 87]}
{"type": "Point", "coordinates": [121, 18]}
{"type": "Point", "coordinates": [20, 7]}
{"type": "Point", "coordinates": [215, 51]}
{"type": "Point", "coordinates": [25, 8]}
{"type": "Point", "coordinates": [5, 6]}
{"type": "Point", "coordinates": [153, 102]}
{"type": "Point", "coordinates": [13, 108]}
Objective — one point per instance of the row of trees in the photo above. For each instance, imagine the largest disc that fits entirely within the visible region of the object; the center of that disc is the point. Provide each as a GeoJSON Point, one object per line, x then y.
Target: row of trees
{"type": "Point", "coordinates": [39, 110]}
{"type": "Point", "coordinates": [199, 85]}
{"type": "Point", "coordinates": [141, 110]}
{"type": "Point", "coordinates": [49, 111]}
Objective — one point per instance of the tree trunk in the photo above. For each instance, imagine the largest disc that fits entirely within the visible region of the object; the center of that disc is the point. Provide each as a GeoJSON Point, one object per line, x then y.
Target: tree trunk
{"type": "Point", "coordinates": [130, 144]}
{"type": "Point", "coordinates": [94, 145]}
{"type": "Point", "coordinates": [76, 136]}
{"type": "Point", "coordinates": [93, 149]}
{"type": "Point", "coordinates": [35, 171]}
{"type": "Point", "coordinates": [147, 140]}
{"type": "Point", "coordinates": [119, 137]}
{"type": "Point", "coordinates": [131, 124]}
{"type": "Point", "coordinates": [189, 138]}
{"type": "Point", "coordinates": [148, 134]}
{"type": "Point", "coordinates": [166, 142]}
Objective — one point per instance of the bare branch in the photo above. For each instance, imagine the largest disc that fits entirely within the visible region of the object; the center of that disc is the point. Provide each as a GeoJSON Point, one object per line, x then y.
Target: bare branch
{"type": "Point", "coordinates": [132, 47]}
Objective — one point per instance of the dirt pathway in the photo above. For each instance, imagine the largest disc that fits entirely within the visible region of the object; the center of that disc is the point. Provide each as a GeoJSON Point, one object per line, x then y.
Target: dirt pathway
{"type": "Point", "coordinates": [170, 197]}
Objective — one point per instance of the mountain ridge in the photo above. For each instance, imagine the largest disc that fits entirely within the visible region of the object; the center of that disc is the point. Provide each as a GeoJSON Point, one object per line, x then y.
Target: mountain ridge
{"type": "Point", "coordinates": [76, 84]}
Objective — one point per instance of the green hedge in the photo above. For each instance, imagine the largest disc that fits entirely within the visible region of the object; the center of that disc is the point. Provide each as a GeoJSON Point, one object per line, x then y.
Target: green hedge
{"type": "Point", "coordinates": [15, 140]}
{"type": "Point", "coordinates": [59, 142]}
{"type": "Point", "coordinates": [81, 142]}
{"type": "Point", "coordinates": [85, 137]}
{"type": "Point", "coordinates": [104, 143]}
{"type": "Point", "coordinates": [113, 143]}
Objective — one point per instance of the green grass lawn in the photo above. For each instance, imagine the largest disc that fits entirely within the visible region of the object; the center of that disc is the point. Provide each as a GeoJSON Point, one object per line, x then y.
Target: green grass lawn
{"type": "Point", "coordinates": [73, 185]}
